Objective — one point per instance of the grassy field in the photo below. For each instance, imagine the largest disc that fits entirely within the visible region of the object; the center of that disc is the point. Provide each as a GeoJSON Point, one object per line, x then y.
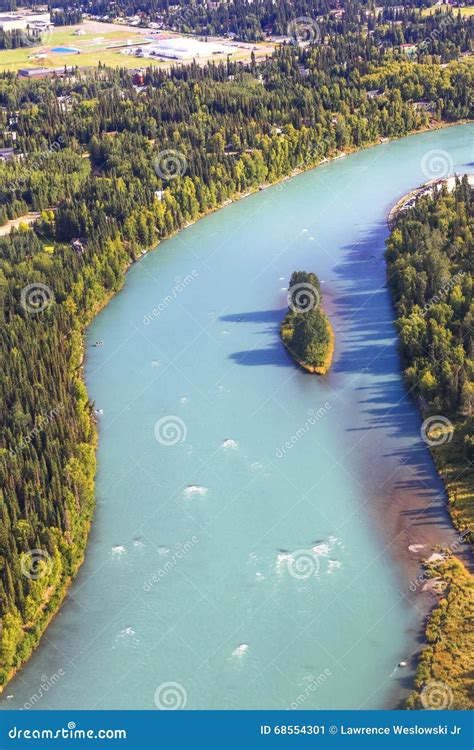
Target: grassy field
{"type": "Point", "coordinates": [93, 46]}
{"type": "Point", "coordinates": [468, 11]}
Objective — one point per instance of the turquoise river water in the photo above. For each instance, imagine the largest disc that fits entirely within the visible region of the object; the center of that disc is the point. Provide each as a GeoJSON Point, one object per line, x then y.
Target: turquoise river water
{"type": "Point", "coordinates": [252, 524]}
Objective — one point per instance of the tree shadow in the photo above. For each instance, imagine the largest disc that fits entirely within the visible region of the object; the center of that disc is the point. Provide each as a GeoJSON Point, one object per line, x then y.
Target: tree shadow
{"type": "Point", "coordinates": [275, 354]}
{"type": "Point", "coordinates": [387, 437]}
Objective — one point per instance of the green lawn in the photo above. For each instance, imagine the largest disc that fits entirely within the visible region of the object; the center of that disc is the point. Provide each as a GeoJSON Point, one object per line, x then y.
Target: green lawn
{"type": "Point", "coordinates": [93, 45]}
{"type": "Point", "coordinates": [91, 52]}
{"type": "Point", "coordinates": [468, 11]}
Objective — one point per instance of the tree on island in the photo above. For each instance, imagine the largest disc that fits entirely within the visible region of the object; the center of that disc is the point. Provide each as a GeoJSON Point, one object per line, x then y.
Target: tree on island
{"type": "Point", "coordinates": [306, 331]}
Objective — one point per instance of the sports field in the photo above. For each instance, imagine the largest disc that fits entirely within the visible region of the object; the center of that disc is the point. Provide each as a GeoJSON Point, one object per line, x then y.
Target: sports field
{"type": "Point", "coordinates": [104, 43]}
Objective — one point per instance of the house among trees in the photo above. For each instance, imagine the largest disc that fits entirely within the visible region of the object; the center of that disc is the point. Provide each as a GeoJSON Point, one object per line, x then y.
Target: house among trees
{"type": "Point", "coordinates": [78, 245]}
{"type": "Point", "coordinates": [138, 78]}
{"type": "Point", "coordinates": [374, 94]}
{"type": "Point", "coordinates": [6, 154]}
{"type": "Point", "coordinates": [425, 106]}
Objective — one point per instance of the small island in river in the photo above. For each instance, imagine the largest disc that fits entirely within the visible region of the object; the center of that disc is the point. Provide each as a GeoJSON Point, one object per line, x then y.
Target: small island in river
{"type": "Point", "coordinates": [305, 330]}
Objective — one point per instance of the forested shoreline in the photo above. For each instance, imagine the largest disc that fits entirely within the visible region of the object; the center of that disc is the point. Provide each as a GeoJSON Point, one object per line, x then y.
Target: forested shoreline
{"type": "Point", "coordinates": [113, 170]}
{"type": "Point", "coordinates": [430, 256]}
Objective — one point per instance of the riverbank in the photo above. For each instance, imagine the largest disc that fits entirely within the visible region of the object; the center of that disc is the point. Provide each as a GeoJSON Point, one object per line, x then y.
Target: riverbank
{"type": "Point", "coordinates": [448, 655]}
{"type": "Point", "coordinates": [446, 434]}
{"type": "Point", "coordinates": [308, 166]}
{"type": "Point", "coordinates": [409, 200]}
{"type": "Point", "coordinates": [443, 678]}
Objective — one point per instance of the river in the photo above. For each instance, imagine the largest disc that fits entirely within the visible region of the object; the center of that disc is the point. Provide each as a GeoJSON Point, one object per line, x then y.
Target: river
{"type": "Point", "coordinates": [252, 523]}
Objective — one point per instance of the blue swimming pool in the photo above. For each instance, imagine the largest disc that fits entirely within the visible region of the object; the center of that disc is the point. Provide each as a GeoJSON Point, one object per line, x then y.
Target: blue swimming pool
{"type": "Point", "coordinates": [65, 50]}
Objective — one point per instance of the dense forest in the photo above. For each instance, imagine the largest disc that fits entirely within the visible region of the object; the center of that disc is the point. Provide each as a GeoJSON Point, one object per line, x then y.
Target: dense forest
{"type": "Point", "coordinates": [113, 168]}
{"type": "Point", "coordinates": [305, 330]}
{"type": "Point", "coordinates": [19, 38]}
{"type": "Point", "coordinates": [66, 17]}
{"type": "Point", "coordinates": [430, 267]}
{"type": "Point", "coordinates": [430, 257]}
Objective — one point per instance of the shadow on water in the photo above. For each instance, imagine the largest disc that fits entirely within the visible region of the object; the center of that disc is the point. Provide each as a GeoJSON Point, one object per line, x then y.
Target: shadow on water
{"type": "Point", "coordinates": [271, 355]}
{"type": "Point", "coordinates": [259, 316]}
{"type": "Point", "coordinates": [390, 422]}
{"type": "Point", "coordinates": [362, 311]}
{"type": "Point", "coordinates": [275, 354]}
